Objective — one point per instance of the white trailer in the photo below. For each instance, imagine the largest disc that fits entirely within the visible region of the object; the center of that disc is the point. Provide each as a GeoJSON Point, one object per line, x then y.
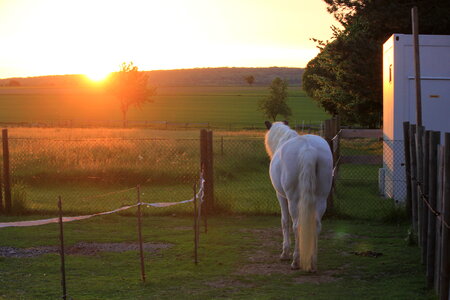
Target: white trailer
{"type": "Point", "coordinates": [399, 104]}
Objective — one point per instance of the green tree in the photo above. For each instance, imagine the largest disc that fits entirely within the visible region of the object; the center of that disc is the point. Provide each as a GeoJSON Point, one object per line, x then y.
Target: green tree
{"type": "Point", "coordinates": [130, 87]}
{"type": "Point", "coordinates": [345, 78]}
{"type": "Point", "coordinates": [250, 79]}
{"type": "Point", "coordinates": [276, 103]}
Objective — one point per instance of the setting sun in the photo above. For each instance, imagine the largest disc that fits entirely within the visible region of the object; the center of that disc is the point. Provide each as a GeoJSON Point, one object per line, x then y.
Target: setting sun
{"type": "Point", "coordinates": [97, 76]}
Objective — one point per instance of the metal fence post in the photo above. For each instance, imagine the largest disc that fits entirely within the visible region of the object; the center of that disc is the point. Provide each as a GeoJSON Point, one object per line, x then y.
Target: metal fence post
{"type": "Point", "coordinates": [6, 171]}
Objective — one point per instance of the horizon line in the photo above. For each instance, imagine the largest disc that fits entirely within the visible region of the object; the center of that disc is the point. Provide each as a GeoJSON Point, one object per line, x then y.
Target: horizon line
{"type": "Point", "coordinates": [177, 69]}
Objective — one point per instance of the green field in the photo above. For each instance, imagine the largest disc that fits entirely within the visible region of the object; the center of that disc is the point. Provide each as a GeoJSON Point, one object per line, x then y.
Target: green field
{"type": "Point", "coordinates": [219, 106]}
{"type": "Point", "coordinates": [238, 259]}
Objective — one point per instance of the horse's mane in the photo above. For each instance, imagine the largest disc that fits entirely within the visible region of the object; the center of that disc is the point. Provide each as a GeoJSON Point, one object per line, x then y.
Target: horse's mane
{"type": "Point", "coordinates": [278, 134]}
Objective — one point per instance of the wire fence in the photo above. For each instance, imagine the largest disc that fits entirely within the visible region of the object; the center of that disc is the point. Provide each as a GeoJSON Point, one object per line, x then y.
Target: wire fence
{"type": "Point", "coordinates": [87, 172]}
{"type": "Point", "coordinates": [303, 125]}
{"type": "Point", "coordinates": [365, 182]}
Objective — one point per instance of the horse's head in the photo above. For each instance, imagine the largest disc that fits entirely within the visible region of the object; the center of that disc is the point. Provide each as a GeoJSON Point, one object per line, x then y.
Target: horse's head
{"type": "Point", "coordinates": [277, 134]}
{"type": "Point", "coordinates": [268, 124]}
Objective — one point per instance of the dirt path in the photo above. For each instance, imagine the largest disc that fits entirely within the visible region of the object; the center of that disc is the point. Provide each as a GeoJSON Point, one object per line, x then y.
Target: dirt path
{"type": "Point", "coordinates": [80, 249]}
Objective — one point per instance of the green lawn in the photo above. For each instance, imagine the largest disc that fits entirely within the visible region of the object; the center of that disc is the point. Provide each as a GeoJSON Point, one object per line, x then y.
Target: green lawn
{"type": "Point", "coordinates": [238, 260]}
{"type": "Point", "coordinates": [225, 107]}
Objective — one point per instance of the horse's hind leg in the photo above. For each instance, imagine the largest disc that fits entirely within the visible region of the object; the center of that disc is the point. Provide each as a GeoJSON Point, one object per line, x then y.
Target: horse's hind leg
{"type": "Point", "coordinates": [285, 227]}
{"type": "Point", "coordinates": [293, 209]}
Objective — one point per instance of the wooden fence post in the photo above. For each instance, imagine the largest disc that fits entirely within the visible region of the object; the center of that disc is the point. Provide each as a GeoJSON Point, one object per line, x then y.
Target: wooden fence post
{"type": "Point", "coordinates": [406, 138]}
{"type": "Point", "coordinates": [439, 225]}
{"type": "Point", "coordinates": [327, 134]}
{"type": "Point", "coordinates": [206, 163]}
{"type": "Point", "coordinates": [415, 32]}
{"type": "Point", "coordinates": [61, 249]}
{"type": "Point", "coordinates": [210, 173]}
{"type": "Point", "coordinates": [420, 166]}
{"type": "Point", "coordinates": [6, 171]}
{"type": "Point", "coordinates": [424, 186]}
{"type": "Point", "coordinates": [139, 228]}
{"type": "Point", "coordinates": [1, 193]}
{"type": "Point", "coordinates": [445, 268]}
{"type": "Point", "coordinates": [412, 149]}
{"type": "Point", "coordinates": [432, 189]}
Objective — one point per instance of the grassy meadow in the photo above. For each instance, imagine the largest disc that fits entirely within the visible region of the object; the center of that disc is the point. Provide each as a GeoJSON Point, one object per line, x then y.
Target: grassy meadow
{"type": "Point", "coordinates": [82, 170]}
{"type": "Point", "coordinates": [81, 163]}
{"type": "Point", "coordinates": [222, 107]}
{"type": "Point", "coordinates": [97, 169]}
{"type": "Point", "coordinates": [238, 259]}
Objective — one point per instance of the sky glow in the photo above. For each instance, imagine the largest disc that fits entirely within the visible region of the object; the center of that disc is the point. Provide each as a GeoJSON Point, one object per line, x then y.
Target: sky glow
{"type": "Point", "coordinates": [50, 37]}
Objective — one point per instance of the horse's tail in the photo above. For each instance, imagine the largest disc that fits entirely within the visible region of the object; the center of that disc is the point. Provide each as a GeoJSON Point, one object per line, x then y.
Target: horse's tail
{"type": "Point", "coordinates": [307, 231]}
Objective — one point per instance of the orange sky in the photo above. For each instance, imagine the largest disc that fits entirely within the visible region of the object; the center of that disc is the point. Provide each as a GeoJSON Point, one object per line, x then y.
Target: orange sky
{"type": "Point", "coordinates": [45, 37]}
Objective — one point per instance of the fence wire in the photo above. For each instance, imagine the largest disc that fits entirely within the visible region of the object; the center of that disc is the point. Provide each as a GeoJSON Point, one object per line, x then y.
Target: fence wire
{"type": "Point", "coordinates": [370, 181]}
{"type": "Point", "coordinates": [85, 173]}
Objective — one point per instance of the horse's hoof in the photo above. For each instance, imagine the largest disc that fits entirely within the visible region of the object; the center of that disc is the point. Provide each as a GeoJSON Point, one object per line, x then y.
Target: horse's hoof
{"type": "Point", "coordinates": [284, 257]}
{"type": "Point", "coordinates": [295, 266]}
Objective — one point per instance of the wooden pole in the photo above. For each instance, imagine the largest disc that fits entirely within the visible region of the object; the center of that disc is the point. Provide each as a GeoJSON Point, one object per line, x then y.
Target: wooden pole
{"type": "Point", "coordinates": [195, 226]}
{"type": "Point", "coordinates": [141, 248]}
{"type": "Point", "coordinates": [439, 208]}
{"type": "Point", "coordinates": [203, 150]}
{"type": "Point", "coordinates": [327, 133]}
{"type": "Point", "coordinates": [420, 204]}
{"type": "Point", "coordinates": [424, 189]}
{"type": "Point", "coordinates": [204, 170]}
{"type": "Point", "coordinates": [61, 250]}
{"type": "Point", "coordinates": [406, 138]}
{"type": "Point", "coordinates": [432, 191]}
{"type": "Point", "coordinates": [445, 267]}
{"type": "Point", "coordinates": [412, 149]}
{"type": "Point", "coordinates": [1, 193]}
{"type": "Point", "coordinates": [6, 171]}
{"type": "Point", "coordinates": [210, 173]}
{"type": "Point", "coordinates": [415, 32]}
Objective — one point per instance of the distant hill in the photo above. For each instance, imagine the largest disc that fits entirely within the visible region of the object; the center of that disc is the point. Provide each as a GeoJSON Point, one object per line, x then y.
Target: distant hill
{"type": "Point", "coordinates": [223, 76]}
{"type": "Point", "coordinates": [181, 77]}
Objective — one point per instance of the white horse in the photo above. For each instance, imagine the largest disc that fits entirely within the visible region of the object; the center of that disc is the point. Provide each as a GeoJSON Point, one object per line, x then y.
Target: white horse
{"type": "Point", "coordinates": [301, 173]}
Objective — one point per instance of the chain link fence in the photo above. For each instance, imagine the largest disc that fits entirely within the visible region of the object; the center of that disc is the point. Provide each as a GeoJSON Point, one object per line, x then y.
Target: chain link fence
{"type": "Point", "coordinates": [93, 175]}
{"type": "Point", "coordinates": [361, 182]}
{"type": "Point", "coordinates": [97, 174]}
